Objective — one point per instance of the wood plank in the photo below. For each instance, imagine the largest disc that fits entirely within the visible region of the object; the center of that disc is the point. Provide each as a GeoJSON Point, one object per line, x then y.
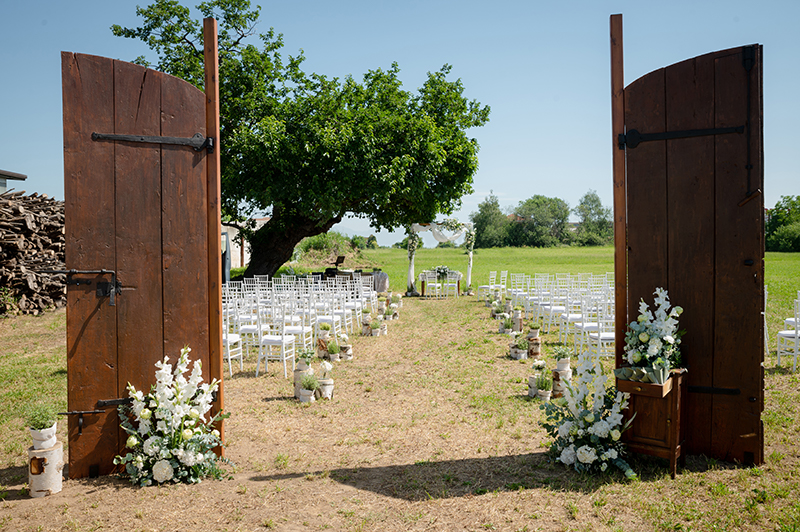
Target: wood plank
{"type": "Point", "coordinates": [739, 287]}
{"type": "Point", "coordinates": [138, 234]}
{"type": "Point", "coordinates": [214, 186]}
{"type": "Point", "coordinates": [184, 224]}
{"type": "Point", "coordinates": [690, 219]}
{"type": "Point", "coordinates": [89, 231]}
{"type": "Point", "coordinates": [646, 191]}
{"type": "Point", "coordinates": [618, 157]}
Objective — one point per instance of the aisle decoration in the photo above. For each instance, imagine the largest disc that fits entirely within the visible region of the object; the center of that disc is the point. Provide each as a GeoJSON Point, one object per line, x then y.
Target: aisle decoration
{"type": "Point", "coordinates": [437, 229]}
{"type": "Point", "coordinates": [587, 423]}
{"type": "Point", "coordinates": [653, 342]}
{"type": "Point", "coordinates": [171, 435]}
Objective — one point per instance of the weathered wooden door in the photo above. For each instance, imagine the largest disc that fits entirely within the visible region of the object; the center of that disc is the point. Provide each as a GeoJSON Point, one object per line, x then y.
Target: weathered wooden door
{"type": "Point", "coordinates": [139, 211]}
{"type": "Point", "coordinates": [695, 225]}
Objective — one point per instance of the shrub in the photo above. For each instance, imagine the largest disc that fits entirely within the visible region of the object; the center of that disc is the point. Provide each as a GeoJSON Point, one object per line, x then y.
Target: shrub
{"type": "Point", "coordinates": [785, 238]}
{"type": "Point", "coordinates": [309, 382]}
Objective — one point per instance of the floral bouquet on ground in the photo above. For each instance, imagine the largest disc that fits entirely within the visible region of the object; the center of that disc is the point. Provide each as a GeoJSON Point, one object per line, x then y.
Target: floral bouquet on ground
{"type": "Point", "coordinates": [171, 436]}
{"type": "Point", "coordinates": [587, 423]}
{"type": "Point", "coordinates": [654, 340]}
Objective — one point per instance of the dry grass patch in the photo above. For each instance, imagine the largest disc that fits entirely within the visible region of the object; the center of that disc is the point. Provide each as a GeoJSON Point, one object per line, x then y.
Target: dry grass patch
{"type": "Point", "coordinates": [429, 429]}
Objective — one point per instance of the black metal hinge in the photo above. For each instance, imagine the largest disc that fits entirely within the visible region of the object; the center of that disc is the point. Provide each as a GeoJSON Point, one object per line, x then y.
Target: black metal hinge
{"type": "Point", "coordinates": [633, 138]}
{"type": "Point", "coordinates": [198, 141]}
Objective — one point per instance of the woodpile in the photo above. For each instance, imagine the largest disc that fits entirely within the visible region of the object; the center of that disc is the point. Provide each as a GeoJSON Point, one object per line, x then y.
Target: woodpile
{"type": "Point", "coordinates": [31, 241]}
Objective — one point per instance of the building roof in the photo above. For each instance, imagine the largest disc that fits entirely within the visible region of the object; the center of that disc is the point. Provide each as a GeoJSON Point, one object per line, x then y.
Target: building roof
{"type": "Point", "coordinates": [5, 174]}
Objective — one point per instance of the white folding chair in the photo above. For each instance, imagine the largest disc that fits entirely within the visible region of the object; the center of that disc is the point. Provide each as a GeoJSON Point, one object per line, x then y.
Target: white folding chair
{"type": "Point", "coordinates": [272, 334]}
{"type": "Point", "coordinates": [789, 339]}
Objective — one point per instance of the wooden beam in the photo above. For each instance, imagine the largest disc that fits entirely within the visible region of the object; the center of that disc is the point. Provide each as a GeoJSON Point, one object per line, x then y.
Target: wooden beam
{"type": "Point", "coordinates": [620, 208]}
{"type": "Point", "coordinates": [216, 368]}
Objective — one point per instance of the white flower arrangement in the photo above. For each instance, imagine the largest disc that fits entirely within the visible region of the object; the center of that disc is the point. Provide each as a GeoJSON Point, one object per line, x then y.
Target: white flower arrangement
{"type": "Point", "coordinates": [172, 437]}
{"type": "Point", "coordinates": [539, 364]}
{"type": "Point", "coordinates": [587, 423]}
{"type": "Point", "coordinates": [654, 340]}
{"type": "Point", "coordinates": [441, 272]}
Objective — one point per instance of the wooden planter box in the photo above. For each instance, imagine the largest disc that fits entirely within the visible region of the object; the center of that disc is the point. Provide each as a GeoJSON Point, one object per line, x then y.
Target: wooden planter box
{"type": "Point", "coordinates": [657, 429]}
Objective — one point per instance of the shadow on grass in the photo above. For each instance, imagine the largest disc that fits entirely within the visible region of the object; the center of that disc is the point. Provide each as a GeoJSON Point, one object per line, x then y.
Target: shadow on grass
{"type": "Point", "coordinates": [459, 478]}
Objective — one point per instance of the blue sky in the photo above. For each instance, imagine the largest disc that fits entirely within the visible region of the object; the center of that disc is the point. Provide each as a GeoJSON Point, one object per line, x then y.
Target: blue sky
{"type": "Point", "coordinates": [543, 67]}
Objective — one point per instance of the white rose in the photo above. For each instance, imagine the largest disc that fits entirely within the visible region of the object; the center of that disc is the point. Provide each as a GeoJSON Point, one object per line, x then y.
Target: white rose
{"type": "Point", "coordinates": [162, 471]}
{"type": "Point", "coordinates": [615, 434]}
{"type": "Point", "coordinates": [567, 455]}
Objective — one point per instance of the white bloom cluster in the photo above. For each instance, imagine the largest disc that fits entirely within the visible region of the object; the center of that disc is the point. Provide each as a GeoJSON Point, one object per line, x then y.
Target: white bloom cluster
{"type": "Point", "coordinates": [654, 339]}
{"type": "Point", "coordinates": [587, 423]}
{"type": "Point", "coordinates": [173, 435]}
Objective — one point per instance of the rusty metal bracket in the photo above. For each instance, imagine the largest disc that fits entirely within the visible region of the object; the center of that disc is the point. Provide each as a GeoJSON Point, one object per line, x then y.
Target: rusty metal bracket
{"type": "Point", "coordinates": [198, 141]}
{"type": "Point", "coordinates": [633, 138]}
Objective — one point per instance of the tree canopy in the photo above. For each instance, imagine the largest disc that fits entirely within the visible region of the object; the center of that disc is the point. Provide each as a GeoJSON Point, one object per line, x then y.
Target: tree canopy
{"type": "Point", "coordinates": [308, 149]}
{"type": "Point", "coordinates": [491, 225]}
{"type": "Point", "coordinates": [540, 222]}
{"type": "Point", "coordinates": [595, 227]}
{"type": "Point", "coordinates": [783, 225]}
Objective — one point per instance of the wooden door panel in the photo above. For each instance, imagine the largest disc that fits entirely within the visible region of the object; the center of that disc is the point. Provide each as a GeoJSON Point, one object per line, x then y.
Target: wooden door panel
{"type": "Point", "coordinates": [140, 210]}
{"type": "Point", "coordinates": [739, 266]}
{"type": "Point", "coordinates": [690, 186]}
{"type": "Point", "coordinates": [695, 226]}
{"type": "Point", "coordinates": [646, 186]}
{"type": "Point", "coordinates": [90, 245]}
{"type": "Point", "coordinates": [185, 228]}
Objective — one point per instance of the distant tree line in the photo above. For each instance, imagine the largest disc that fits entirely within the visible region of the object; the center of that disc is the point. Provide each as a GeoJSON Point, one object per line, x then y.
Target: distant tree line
{"type": "Point", "coordinates": [540, 221]}
{"type": "Point", "coordinates": [782, 228]}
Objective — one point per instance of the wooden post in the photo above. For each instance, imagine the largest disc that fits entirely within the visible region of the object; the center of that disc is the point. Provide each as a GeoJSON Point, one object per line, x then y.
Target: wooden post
{"type": "Point", "coordinates": [620, 207]}
{"type": "Point", "coordinates": [216, 368]}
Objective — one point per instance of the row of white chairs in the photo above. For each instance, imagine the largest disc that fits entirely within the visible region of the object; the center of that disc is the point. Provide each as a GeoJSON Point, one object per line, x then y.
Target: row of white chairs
{"type": "Point", "coordinates": [581, 306]}
{"type": "Point", "coordinates": [275, 316]}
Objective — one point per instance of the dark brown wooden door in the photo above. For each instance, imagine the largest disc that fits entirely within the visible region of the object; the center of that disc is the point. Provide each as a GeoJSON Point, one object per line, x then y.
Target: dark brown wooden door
{"type": "Point", "coordinates": [695, 227]}
{"type": "Point", "coordinates": [139, 210]}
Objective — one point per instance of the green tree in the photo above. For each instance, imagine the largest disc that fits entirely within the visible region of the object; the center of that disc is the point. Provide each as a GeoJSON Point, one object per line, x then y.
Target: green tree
{"type": "Point", "coordinates": [491, 225]}
{"type": "Point", "coordinates": [308, 149]}
{"type": "Point", "coordinates": [595, 227]}
{"type": "Point", "coordinates": [540, 222]}
{"type": "Point", "coordinates": [786, 212]}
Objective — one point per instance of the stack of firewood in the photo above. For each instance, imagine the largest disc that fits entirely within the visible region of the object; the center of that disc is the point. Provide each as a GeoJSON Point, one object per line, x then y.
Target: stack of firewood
{"type": "Point", "coordinates": [31, 242]}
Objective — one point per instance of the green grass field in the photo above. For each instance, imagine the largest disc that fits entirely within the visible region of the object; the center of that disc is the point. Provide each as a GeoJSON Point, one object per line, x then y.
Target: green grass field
{"type": "Point", "coordinates": [782, 269]}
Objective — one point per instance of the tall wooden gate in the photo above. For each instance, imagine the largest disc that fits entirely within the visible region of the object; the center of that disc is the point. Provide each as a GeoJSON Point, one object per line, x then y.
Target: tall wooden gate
{"type": "Point", "coordinates": [140, 215]}
{"type": "Point", "coordinates": [693, 150]}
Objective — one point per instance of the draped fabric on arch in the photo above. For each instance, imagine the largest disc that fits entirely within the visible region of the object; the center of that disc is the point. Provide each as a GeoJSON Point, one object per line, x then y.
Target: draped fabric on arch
{"type": "Point", "coordinates": [457, 228]}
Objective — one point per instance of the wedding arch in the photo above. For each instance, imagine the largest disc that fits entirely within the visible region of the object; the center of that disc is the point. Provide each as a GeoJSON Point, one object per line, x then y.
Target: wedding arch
{"type": "Point", "coordinates": [438, 230]}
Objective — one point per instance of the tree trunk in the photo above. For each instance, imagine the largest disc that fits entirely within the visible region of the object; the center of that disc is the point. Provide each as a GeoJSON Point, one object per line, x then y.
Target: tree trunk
{"type": "Point", "coordinates": [273, 244]}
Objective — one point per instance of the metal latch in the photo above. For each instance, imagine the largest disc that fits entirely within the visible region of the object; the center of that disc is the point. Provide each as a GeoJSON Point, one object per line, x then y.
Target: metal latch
{"type": "Point", "coordinates": [80, 414]}
{"type": "Point", "coordinates": [104, 289]}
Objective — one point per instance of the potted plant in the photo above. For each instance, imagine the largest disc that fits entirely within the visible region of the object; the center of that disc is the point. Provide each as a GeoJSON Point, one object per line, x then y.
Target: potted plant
{"type": "Point", "coordinates": [539, 367]}
{"type": "Point", "coordinates": [518, 311]}
{"type": "Point", "coordinates": [304, 357]}
{"type": "Point", "coordinates": [544, 386]}
{"type": "Point", "coordinates": [375, 327]}
{"type": "Point", "coordinates": [324, 381]}
{"type": "Point", "coordinates": [324, 330]}
{"type": "Point", "coordinates": [333, 350]}
{"type": "Point", "coordinates": [308, 387]}
{"type": "Point", "coordinates": [534, 332]}
{"type": "Point", "coordinates": [346, 347]}
{"type": "Point", "coordinates": [508, 326]}
{"type": "Point", "coordinates": [42, 423]}
{"type": "Point", "coordinates": [562, 354]}
{"type": "Point", "coordinates": [397, 300]}
{"type": "Point", "coordinates": [519, 349]}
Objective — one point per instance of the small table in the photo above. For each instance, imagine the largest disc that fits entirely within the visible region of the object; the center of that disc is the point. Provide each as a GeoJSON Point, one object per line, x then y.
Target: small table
{"type": "Point", "coordinates": [657, 429]}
